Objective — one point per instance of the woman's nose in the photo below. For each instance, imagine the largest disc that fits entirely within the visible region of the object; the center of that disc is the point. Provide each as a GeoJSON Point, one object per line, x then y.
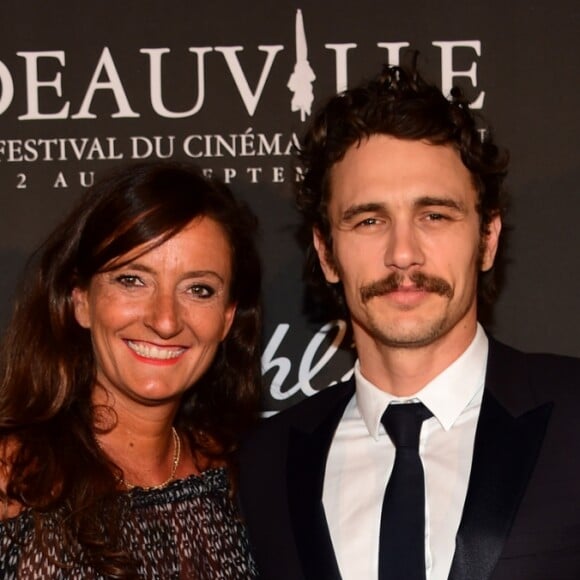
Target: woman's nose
{"type": "Point", "coordinates": [163, 315]}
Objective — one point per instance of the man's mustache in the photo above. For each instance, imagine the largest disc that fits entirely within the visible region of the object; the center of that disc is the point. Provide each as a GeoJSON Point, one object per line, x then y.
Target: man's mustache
{"type": "Point", "coordinates": [395, 280]}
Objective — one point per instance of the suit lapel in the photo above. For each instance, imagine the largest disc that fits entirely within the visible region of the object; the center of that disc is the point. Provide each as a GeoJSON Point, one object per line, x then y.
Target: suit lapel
{"type": "Point", "coordinates": [508, 439]}
{"type": "Point", "coordinates": [509, 435]}
{"type": "Point", "coordinates": [308, 447]}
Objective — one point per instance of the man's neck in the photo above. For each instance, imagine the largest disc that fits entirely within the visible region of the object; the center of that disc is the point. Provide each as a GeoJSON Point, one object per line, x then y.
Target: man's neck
{"type": "Point", "coordinates": [405, 371]}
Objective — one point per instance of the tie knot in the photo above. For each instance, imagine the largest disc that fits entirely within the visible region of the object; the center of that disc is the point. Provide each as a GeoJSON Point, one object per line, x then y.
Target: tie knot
{"type": "Point", "coordinates": [403, 423]}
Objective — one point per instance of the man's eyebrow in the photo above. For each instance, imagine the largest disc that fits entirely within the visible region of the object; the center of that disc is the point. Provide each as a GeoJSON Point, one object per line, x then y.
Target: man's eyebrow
{"type": "Point", "coordinates": [429, 201]}
{"type": "Point", "coordinates": [424, 201]}
{"type": "Point", "coordinates": [355, 210]}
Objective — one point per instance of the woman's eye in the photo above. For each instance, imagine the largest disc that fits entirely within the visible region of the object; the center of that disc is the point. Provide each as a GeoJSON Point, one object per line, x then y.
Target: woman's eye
{"type": "Point", "coordinates": [202, 291]}
{"type": "Point", "coordinates": [129, 281]}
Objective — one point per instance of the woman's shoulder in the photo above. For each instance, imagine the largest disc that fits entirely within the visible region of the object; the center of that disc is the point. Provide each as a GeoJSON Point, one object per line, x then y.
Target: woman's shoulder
{"type": "Point", "coordinates": [9, 508]}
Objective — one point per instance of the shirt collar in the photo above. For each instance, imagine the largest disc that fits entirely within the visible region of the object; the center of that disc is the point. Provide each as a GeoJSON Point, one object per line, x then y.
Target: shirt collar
{"type": "Point", "coordinates": [446, 396]}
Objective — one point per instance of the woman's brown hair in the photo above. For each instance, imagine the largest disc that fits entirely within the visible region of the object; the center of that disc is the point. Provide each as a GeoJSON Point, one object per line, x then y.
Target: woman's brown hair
{"type": "Point", "coordinates": [47, 367]}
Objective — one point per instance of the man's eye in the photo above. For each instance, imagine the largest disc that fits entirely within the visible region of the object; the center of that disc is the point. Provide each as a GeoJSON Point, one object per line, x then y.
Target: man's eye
{"type": "Point", "coordinates": [436, 217]}
{"type": "Point", "coordinates": [202, 291]}
{"type": "Point", "coordinates": [368, 222]}
{"type": "Point", "coordinates": [129, 281]}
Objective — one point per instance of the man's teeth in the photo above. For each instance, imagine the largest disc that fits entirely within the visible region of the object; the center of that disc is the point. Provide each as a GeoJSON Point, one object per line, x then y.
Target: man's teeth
{"type": "Point", "coordinates": [154, 352]}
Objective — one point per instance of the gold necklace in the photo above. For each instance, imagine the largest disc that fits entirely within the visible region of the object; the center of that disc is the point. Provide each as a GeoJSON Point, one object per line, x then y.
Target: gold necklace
{"type": "Point", "coordinates": [176, 458]}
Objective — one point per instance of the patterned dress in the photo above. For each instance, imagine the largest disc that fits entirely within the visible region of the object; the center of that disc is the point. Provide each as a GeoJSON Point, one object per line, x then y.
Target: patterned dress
{"type": "Point", "coordinates": [189, 529]}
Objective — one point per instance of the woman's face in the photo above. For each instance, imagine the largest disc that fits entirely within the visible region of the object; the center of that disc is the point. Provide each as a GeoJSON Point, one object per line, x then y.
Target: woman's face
{"type": "Point", "coordinates": [157, 321]}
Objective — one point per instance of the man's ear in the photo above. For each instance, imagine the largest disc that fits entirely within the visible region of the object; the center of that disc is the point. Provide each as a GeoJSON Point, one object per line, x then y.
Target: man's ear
{"type": "Point", "coordinates": [325, 257]}
{"type": "Point", "coordinates": [80, 299]}
{"type": "Point", "coordinates": [490, 243]}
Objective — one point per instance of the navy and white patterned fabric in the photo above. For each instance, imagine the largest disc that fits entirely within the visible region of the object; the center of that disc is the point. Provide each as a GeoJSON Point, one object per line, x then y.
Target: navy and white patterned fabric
{"type": "Point", "coordinates": [189, 529]}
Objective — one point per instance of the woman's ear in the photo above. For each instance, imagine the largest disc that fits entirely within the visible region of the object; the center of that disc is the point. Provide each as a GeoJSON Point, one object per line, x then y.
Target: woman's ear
{"type": "Point", "coordinates": [229, 319]}
{"type": "Point", "coordinates": [80, 299]}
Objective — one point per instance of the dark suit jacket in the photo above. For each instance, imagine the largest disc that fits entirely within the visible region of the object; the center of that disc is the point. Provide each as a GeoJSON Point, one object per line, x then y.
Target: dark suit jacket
{"type": "Point", "coordinates": [521, 518]}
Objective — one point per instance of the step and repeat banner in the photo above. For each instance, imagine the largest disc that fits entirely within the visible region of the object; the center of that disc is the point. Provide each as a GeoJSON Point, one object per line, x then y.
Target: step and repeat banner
{"type": "Point", "coordinates": [231, 86]}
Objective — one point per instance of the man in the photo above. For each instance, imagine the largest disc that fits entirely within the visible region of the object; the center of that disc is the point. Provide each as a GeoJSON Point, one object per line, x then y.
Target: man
{"type": "Point", "coordinates": [405, 202]}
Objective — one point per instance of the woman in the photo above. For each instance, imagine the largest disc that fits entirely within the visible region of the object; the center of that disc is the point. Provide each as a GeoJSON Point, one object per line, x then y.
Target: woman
{"type": "Point", "coordinates": [129, 371]}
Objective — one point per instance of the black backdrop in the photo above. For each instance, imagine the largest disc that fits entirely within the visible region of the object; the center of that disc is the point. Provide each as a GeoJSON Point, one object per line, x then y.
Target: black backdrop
{"type": "Point", "coordinates": [84, 86]}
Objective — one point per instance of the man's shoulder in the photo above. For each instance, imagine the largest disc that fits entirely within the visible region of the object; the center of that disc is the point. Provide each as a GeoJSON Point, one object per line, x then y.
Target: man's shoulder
{"type": "Point", "coordinates": [545, 372]}
{"type": "Point", "coordinates": [304, 414]}
{"type": "Point", "coordinates": [312, 407]}
{"type": "Point", "coordinates": [537, 360]}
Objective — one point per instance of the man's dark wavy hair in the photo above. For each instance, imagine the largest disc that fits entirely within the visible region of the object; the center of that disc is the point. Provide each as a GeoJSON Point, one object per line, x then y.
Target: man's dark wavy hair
{"type": "Point", "coordinates": [400, 103]}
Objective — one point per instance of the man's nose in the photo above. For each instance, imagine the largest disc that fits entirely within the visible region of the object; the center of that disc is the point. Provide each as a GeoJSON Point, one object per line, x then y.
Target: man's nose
{"type": "Point", "coordinates": [403, 246]}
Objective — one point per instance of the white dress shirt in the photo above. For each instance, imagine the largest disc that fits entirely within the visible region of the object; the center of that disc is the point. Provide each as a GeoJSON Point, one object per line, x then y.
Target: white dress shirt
{"type": "Point", "coordinates": [361, 458]}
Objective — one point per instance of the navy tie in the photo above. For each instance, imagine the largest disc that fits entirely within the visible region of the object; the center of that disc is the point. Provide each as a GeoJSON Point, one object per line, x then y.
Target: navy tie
{"type": "Point", "coordinates": [402, 538]}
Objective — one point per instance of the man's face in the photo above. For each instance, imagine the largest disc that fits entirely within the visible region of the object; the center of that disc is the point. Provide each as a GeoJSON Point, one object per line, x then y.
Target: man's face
{"type": "Point", "coordinates": [407, 243]}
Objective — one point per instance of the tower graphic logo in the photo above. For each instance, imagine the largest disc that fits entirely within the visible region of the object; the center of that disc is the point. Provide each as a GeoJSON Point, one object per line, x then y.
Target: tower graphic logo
{"type": "Point", "coordinates": [300, 81]}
